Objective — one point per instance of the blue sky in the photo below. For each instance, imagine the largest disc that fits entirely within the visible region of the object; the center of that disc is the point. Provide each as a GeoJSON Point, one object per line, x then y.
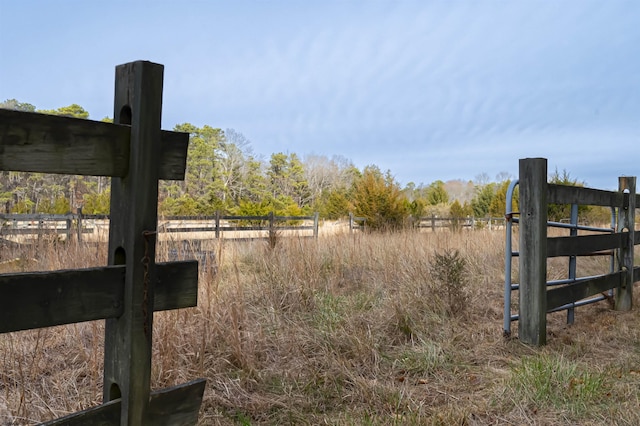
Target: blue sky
{"type": "Point", "coordinates": [427, 89]}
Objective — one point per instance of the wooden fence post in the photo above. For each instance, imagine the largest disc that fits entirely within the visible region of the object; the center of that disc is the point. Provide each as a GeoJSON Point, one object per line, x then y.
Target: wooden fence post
{"type": "Point", "coordinates": [217, 224]}
{"type": "Point", "coordinates": [68, 227]}
{"type": "Point", "coordinates": [132, 228]}
{"type": "Point", "coordinates": [573, 258]}
{"type": "Point", "coordinates": [623, 299]}
{"type": "Point", "coordinates": [79, 223]}
{"type": "Point", "coordinates": [272, 224]}
{"type": "Point", "coordinates": [532, 325]}
{"type": "Point", "coordinates": [316, 217]}
{"type": "Point", "coordinates": [350, 223]}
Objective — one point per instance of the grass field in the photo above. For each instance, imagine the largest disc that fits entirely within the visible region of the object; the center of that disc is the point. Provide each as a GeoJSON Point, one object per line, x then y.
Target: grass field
{"type": "Point", "coordinates": [374, 329]}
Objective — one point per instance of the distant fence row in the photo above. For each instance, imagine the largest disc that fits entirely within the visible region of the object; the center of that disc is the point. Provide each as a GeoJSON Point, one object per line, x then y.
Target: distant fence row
{"type": "Point", "coordinates": [435, 223]}
{"type": "Point", "coordinates": [75, 225]}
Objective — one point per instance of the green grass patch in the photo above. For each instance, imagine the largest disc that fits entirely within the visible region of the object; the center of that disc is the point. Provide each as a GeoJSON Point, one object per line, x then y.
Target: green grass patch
{"type": "Point", "coordinates": [551, 381]}
{"type": "Point", "coordinates": [330, 311]}
{"type": "Point", "coordinates": [422, 359]}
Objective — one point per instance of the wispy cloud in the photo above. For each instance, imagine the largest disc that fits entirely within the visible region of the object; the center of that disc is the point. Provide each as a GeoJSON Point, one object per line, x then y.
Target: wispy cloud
{"type": "Point", "coordinates": [431, 90]}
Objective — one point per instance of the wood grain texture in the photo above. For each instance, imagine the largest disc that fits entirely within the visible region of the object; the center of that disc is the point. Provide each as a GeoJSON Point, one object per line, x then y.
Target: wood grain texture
{"type": "Point", "coordinates": [176, 286]}
{"type": "Point", "coordinates": [44, 299]}
{"type": "Point", "coordinates": [176, 406]}
{"type": "Point", "coordinates": [32, 142]}
{"type": "Point", "coordinates": [560, 296]}
{"type": "Point", "coordinates": [581, 245]}
{"type": "Point", "coordinates": [133, 222]}
{"type": "Point", "coordinates": [102, 415]}
{"type": "Point", "coordinates": [532, 325]}
{"type": "Point", "coordinates": [565, 194]}
{"type": "Point", "coordinates": [623, 295]}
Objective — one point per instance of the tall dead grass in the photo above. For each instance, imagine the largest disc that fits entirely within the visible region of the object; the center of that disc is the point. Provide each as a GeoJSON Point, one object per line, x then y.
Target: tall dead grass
{"type": "Point", "coordinates": [348, 329]}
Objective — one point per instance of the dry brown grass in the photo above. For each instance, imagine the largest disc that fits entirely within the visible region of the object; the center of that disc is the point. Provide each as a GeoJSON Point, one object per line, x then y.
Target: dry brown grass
{"type": "Point", "coordinates": [344, 330]}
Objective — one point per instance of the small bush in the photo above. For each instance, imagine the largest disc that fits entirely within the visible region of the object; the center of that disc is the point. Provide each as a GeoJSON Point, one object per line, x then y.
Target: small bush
{"type": "Point", "coordinates": [449, 273]}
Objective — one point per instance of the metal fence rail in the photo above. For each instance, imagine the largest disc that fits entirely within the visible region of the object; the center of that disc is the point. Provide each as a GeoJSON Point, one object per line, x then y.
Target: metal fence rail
{"type": "Point", "coordinates": [512, 217]}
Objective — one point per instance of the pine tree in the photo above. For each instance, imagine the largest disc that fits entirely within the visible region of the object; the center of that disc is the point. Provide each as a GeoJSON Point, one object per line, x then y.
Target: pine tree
{"type": "Point", "coordinates": [379, 200]}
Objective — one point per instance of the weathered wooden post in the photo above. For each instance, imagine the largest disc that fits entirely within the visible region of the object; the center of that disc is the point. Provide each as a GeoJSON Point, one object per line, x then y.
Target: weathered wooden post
{"type": "Point", "coordinates": [316, 217]}
{"type": "Point", "coordinates": [217, 223]}
{"type": "Point", "coordinates": [532, 326]}
{"type": "Point", "coordinates": [623, 300]}
{"type": "Point", "coordinates": [350, 223]}
{"type": "Point", "coordinates": [272, 222]}
{"type": "Point", "coordinates": [132, 235]}
{"type": "Point", "coordinates": [79, 223]}
{"type": "Point", "coordinates": [68, 227]}
{"type": "Point", "coordinates": [573, 232]}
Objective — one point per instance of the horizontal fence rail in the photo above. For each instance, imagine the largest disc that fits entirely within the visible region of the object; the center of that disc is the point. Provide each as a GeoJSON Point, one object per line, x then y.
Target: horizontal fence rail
{"type": "Point", "coordinates": [45, 299]}
{"type": "Point", "coordinates": [67, 145]}
{"type": "Point", "coordinates": [436, 223]}
{"type": "Point", "coordinates": [220, 224]}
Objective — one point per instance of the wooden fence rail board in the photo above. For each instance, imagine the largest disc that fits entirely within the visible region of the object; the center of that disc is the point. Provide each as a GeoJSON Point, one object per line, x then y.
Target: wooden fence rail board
{"type": "Point", "coordinates": [135, 152]}
{"type": "Point", "coordinates": [40, 231]}
{"type": "Point", "coordinates": [584, 244]}
{"type": "Point", "coordinates": [560, 296]}
{"type": "Point", "coordinates": [175, 406]}
{"type": "Point", "coordinates": [107, 414]}
{"type": "Point", "coordinates": [247, 218]}
{"type": "Point", "coordinates": [564, 194]}
{"type": "Point", "coordinates": [35, 216]}
{"type": "Point", "coordinates": [176, 286]}
{"type": "Point", "coordinates": [178, 405]}
{"type": "Point", "coordinates": [33, 142]}
{"type": "Point", "coordinates": [45, 299]}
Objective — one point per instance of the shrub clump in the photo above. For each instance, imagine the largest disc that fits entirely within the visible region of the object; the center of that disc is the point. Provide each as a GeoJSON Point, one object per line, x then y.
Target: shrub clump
{"type": "Point", "coordinates": [450, 280]}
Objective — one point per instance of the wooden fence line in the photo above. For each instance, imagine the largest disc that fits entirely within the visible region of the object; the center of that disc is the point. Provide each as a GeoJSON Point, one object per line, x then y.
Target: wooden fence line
{"type": "Point", "coordinates": [71, 224]}
{"type": "Point", "coordinates": [536, 246]}
{"type": "Point", "coordinates": [435, 223]}
{"type": "Point", "coordinates": [271, 226]}
{"type": "Point", "coordinates": [136, 153]}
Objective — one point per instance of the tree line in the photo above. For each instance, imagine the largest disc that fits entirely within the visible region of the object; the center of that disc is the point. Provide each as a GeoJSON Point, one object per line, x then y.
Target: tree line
{"type": "Point", "coordinates": [224, 175]}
